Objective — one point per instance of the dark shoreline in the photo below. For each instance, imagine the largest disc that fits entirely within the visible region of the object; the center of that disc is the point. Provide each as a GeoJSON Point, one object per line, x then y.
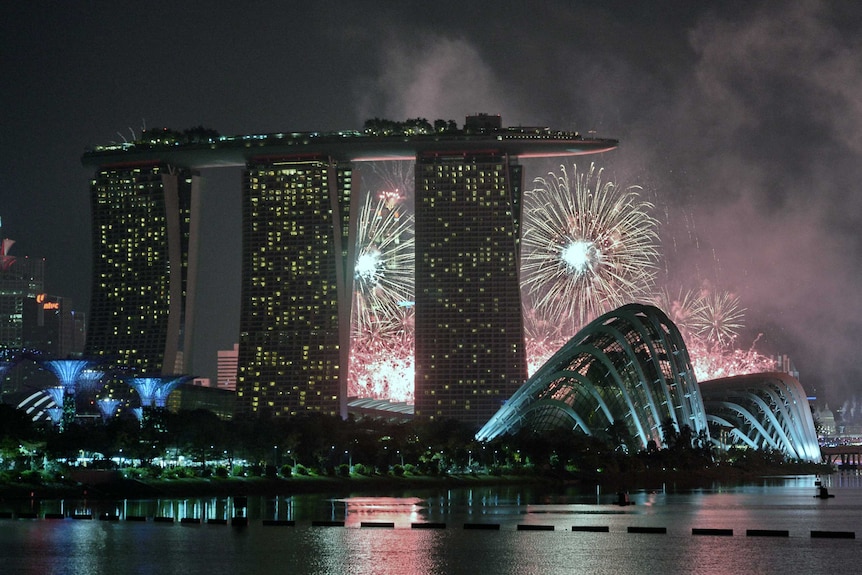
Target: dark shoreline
{"type": "Point", "coordinates": [112, 485]}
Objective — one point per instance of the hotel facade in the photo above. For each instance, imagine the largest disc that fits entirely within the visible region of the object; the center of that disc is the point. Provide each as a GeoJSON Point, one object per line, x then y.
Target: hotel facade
{"type": "Point", "coordinates": [299, 220]}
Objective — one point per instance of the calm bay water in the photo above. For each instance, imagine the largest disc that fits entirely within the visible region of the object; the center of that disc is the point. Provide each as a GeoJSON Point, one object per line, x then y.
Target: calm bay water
{"type": "Point", "coordinates": [379, 535]}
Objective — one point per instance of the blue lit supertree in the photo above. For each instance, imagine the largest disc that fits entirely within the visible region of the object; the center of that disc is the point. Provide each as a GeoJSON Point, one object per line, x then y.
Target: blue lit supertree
{"type": "Point", "coordinates": [108, 407]}
{"type": "Point", "coordinates": [67, 372]}
{"type": "Point", "coordinates": [89, 380]}
{"type": "Point", "coordinates": [165, 389]}
{"type": "Point", "coordinates": [153, 392]}
{"type": "Point", "coordinates": [146, 388]}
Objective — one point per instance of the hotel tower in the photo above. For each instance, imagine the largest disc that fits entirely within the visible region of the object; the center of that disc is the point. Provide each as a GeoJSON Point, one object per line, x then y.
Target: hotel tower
{"type": "Point", "coordinates": [300, 208]}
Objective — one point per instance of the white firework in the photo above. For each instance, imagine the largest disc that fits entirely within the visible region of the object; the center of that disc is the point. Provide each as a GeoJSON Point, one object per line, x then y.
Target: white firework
{"type": "Point", "coordinates": [589, 246]}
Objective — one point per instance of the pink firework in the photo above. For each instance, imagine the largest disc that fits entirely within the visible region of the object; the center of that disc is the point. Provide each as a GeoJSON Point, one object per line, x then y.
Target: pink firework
{"type": "Point", "coordinates": [381, 352]}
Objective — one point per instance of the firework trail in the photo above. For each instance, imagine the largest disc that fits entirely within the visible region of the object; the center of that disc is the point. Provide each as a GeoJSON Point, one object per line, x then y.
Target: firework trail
{"type": "Point", "coordinates": [589, 246]}
{"type": "Point", "coordinates": [396, 175]}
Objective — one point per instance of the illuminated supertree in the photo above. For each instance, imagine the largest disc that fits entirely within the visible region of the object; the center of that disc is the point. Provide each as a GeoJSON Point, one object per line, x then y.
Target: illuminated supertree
{"type": "Point", "coordinates": [67, 372]}
{"type": "Point", "coordinates": [89, 379]}
{"type": "Point", "coordinates": [153, 392]}
{"type": "Point", "coordinates": [56, 415]}
{"type": "Point", "coordinates": [165, 389]}
{"type": "Point", "coordinates": [108, 407]}
{"type": "Point", "coordinates": [56, 394]}
{"type": "Point", "coordinates": [589, 247]}
{"type": "Point", "coordinates": [146, 388]}
{"type": "Point", "coordinates": [381, 361]}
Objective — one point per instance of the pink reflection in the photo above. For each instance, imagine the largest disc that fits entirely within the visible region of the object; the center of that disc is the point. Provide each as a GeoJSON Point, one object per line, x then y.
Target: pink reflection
{"type": "Point", "coordinates": [400, 511]}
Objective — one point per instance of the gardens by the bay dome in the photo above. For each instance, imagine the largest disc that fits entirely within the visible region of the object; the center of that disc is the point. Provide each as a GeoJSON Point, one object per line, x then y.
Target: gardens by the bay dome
{"type": "Point", "coordinates": [627, 375]}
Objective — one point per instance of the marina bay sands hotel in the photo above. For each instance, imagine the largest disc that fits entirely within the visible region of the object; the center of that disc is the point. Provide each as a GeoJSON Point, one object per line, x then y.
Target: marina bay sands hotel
{"type": "Point", "coordinates": [299, 227]}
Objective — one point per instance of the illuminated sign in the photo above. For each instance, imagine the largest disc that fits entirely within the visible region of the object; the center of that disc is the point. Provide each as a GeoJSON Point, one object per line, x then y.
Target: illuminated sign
{"type": "Point", "coordinates": [51, 305]}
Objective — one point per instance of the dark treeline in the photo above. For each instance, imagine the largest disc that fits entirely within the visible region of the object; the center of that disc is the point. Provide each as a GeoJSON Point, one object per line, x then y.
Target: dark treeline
{"type": "Point", "coordinates": [197, 443]}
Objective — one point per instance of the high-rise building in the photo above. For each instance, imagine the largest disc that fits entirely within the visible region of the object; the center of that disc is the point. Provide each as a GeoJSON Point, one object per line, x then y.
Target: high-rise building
{"type": "Point", "coordinates": [299, 231]}
{"type": "Point", "coordinates": [295, 291]}
{"type": "Point", "coordinates": [20, 279]}
{"type": "Point", "coordinates": [51, 325]}
{"type": "Point", "coordinates": [142, 234]}
{"type": "Point", "coordinates": [227, 364]}
{"type": "Point", "coordinates": [470, 353]}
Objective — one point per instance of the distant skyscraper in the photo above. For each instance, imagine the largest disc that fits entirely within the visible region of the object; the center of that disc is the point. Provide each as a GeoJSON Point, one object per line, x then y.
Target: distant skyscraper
{"type": "Point", "coordinates": [141, 274]}
{"type": "Point", "coordinates": [226, 367]}
{"type": "Point", "coordinates": [295, 309]}
{"type": "Point", "coordinates": [51, 325]}
{"type": "Point", "coordinates": [20, 279]}
{"type": "Point", "coordinates": [469, 333]}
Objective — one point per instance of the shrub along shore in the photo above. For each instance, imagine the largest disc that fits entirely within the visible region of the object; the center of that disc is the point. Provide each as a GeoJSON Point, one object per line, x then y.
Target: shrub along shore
{"type": "Point", "coordinates": [95, 484]}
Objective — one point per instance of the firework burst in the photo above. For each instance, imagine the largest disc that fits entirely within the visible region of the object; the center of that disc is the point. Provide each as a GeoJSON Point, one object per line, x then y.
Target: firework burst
{"type": "Point", "coordinates": [384, 266]}
{"type": "Point", "coordinates": [381, 362]}
{"type": "Point", "coordinates": [710, 323]}
{"type": "Point", "coordinates": [589, 246]}
{"type": "Point", "coordinates": [718, 319]}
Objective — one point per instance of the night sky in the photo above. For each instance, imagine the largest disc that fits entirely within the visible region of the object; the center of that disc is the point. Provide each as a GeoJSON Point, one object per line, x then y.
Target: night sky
{"type": "Point", "coordinates": [742, 121]}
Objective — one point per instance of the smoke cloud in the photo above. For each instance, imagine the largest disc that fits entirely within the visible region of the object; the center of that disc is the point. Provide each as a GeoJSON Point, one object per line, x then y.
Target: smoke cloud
{"type": "Point", "coordinates": [748, 141]}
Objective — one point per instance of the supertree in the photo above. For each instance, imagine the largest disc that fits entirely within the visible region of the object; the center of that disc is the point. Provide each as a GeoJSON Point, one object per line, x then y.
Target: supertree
{"type": "Point", "coordinates": [146, 388]}
{"type": "Point", "coordinates": [589, 246]}
{"type": "Point", "coordinates": [165, 389]}
{"type": "Point", "coordinates": [89, 380]}
{"type": "Point", "coordinates": [67, 372]}
{"type": "Point", "coordinates": [108, 407]}
{"type": "Point", "coordinates": [153, 393]}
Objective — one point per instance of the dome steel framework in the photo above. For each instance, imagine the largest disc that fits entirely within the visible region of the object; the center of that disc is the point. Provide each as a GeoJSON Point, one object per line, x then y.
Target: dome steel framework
{"type": "Point", "coordinates": [630, 368]}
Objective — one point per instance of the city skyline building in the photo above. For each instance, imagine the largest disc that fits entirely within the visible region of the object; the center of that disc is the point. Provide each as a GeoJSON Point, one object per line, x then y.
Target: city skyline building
{"type": "Point", "coordinates": [227, 364]}
{"type": "Point", "coordinates": [300, 206]}
{"type": "Point", "coordinates": [143, 271]}
{"type": "Point", "coordinates": [296, 287]}
{"type": "Point", "coordinates": [470, 355]}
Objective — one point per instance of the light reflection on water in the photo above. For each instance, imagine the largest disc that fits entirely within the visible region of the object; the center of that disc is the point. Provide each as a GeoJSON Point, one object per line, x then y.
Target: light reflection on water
{"type": "Point", "coordinates": [85, 547]}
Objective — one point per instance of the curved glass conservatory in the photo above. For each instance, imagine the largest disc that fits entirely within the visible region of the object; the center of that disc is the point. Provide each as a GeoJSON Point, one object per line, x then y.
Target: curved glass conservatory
{"type": "Point", "coordinates": [629, 367]}
{"type": "Point", "coordinates": [762, 411]}
{"type": "Point", "coordinates": [628, 373]}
